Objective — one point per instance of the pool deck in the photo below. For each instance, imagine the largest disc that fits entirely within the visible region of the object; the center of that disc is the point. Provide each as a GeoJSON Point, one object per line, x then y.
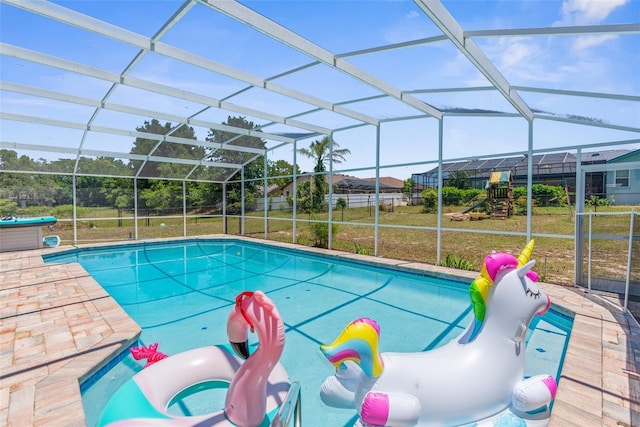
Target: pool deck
{"type": "Point", "coordinates": [58, 327]}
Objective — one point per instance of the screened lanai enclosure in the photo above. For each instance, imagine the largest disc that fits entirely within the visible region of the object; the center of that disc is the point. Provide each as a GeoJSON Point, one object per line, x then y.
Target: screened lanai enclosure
{"type": "Point", "coordinates": [136, 120]}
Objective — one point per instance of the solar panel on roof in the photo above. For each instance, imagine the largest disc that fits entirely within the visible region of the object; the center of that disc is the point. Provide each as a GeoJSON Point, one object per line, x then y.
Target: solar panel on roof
{"type": "Point", "coordinates": [360, 184]}
{"type": "Point", "coordinates": [472, 165]}
{"type": "Point", "coordinates": [510, 162]}
{"type": "Point", "coordinates": [536, 159]}
{"type": "Point", "coordinates": [553, 158]}
{"type": "Point", "coordinates": [492, 163]}
{"type": "Point", "coordinates": [451, 166]}
{"type": "Point", "coordinates": [543, 164]}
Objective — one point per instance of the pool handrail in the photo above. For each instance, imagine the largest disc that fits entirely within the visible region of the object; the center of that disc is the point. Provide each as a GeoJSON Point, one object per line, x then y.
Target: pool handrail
{"type": "Point", "coordinates": [292, 406]}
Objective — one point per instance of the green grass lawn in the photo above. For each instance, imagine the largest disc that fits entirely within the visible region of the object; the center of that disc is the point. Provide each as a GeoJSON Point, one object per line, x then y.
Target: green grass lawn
{"type": "Point", "coordinates": [401, 235]}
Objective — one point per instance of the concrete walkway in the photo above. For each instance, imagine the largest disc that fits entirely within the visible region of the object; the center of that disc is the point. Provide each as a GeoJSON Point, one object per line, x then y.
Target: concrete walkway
{"type": "Point", "coordinates": [58, 327]}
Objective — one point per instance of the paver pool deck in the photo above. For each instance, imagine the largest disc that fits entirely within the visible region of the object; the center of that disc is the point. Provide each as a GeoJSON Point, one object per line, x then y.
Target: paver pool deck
{"type": "Point", "coordinates": [58, 327]}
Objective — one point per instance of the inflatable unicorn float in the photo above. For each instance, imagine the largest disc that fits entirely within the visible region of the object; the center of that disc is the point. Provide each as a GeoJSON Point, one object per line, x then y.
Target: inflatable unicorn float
{"type": "Point", "coordinates": [257, 385]}
{"type": "Point", "coordinates": [474, 378]}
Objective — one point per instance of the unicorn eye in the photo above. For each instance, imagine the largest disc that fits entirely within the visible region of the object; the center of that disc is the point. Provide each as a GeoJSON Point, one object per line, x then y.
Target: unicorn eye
{"type": "Point", "coordinates": [535, 295]}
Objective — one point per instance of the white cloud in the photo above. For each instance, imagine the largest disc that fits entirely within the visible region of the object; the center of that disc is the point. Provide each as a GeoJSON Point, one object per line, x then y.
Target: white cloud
{"type": "Point", "coordinates": [413, 14]}
{"type": "Point", "coordinates": [585, 12]}
{"type": "Point", "coordinates": [518, 52]}
{"type": "Point", "coordinates": [522, 60]}
{"type": "Point", "coordinates": [585, 42]}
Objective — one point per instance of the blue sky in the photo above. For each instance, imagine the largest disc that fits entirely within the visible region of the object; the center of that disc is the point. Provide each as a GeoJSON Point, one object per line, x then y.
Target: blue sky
{"type": "Point", "coordinates": [601, 63]}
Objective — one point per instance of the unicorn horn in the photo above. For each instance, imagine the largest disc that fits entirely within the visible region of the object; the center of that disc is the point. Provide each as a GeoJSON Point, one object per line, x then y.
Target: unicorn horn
{"type": "Point", "coordinates": [525, 255]}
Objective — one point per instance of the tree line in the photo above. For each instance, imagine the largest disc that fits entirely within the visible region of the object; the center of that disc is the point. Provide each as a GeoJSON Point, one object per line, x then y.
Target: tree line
{"type": "Point", "coordinates": [103, 188]}
{"type": "Point", "coordinates": [99, 181]}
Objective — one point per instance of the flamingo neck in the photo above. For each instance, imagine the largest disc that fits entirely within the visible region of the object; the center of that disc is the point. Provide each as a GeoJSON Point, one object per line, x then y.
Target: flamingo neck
{"type": "Point", "coordinates": [247, 395]}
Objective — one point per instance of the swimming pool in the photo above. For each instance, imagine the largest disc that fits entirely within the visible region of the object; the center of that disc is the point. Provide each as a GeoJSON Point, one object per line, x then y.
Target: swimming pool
{"type": "Point", "coordinates": [180, 293]}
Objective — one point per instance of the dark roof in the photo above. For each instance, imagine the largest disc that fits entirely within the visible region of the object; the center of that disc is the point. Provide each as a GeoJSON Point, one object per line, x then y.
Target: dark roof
{"type": "Point", "coordinates": [389, 181]}
{"type": "Point", "coordinates": [548, 163]}
{"type": "Point", "coordinates": [360, 184]}
{"type": "Point", "coordinates": [603, 156]}
{"type": "Point", "coordinates": [626, 155]}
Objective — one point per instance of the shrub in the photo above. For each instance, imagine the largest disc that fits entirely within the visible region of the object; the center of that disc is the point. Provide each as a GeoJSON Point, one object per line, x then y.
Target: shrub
{"type": "Point", "coordinates": [357, 249]}
{"type": "Point", "coordinates": [520, 205]}
{"type": "Point", "coordinates": [595, 201]}
{"type": "Point", "coordinates": [8, 208]}
{"type": "Point", "coordinates": [341, 203]}
{"type": "Point", "coordinates": [35, 210]}
{"type": "Point", "coordinates": [320, 231]}
{"type": "Point", "coordinates": [66, 211]}
{"type": "Point", "coordinates": [473, 195]}
{"type": "Point", "coordinates": [543, 195]}
{"type": "Point", "coordinates": [455, 261]}
{"type": "Point", "coordinates": [429, 200]}
{"type": "Point", "coordinates": [452, 196]}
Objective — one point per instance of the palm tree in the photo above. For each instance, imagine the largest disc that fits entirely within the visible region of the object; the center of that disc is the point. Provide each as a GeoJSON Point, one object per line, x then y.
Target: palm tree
{"type": "Point", "coordinates": [319, 151]}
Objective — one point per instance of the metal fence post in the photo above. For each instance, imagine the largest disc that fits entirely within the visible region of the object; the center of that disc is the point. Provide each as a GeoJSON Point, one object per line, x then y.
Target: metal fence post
{"type": "Point", "coordinates": [589, 251]}
{"type": "Point", "coordinates": [628, 279]}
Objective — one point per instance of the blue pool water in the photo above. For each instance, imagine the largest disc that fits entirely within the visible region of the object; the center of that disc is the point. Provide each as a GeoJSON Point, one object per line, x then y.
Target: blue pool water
{"type": "Point", "coordinates": [181, 292]}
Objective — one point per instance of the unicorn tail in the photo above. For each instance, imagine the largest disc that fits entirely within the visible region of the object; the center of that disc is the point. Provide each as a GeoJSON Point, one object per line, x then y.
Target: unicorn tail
{"type": "Point", "coordinates": [357, 342]}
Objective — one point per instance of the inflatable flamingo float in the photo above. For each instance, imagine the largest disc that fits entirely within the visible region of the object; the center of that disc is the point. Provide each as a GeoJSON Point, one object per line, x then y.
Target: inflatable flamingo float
{"type": "Point", "coordinates": [469, 380]}
{"type": "Point", "coordinates": [257, 386]}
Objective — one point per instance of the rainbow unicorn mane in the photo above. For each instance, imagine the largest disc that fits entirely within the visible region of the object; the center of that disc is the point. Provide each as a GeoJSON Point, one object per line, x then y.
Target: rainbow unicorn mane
{"type": "Point", "coordinates": [492, 265]}
{"type": "Point", "coordinates": [357, 342]}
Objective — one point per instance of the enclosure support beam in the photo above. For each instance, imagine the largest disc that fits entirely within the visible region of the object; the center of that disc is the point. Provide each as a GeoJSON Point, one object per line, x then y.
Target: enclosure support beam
{"type": "Point", "coordinates": [443, 19]}
{"type": "Point", "coordinates": [629, 259]}
{"type": "Point", "coordinates": [75, 214]}
{"type": "Point", "coordinates": [224, 208]}
{"type": "Point", "coordinates": [242, 201]}
{"type": "Point", "coordinates": [295, 192]}
{"type": "Point", "coordinates": [135, 208]}
{"type": "Point", "coordinates": [184, 208]}
{"type": "Point", "coordinates": [589, 249]}
{"type": "Point", "coordinates": [265, 196]}
{"type": "Point", "coordinates": [439, 226]}
{"type": "Point", "coordinates": [277, 32]}
{"type": "Point", "coordinates": [330, 204]}
{"type": "Point", "coordinates": [376, 230]}
{"type": "Point", "coordinates": [529, 180]}
{"type": "Point", "coordinates": [578, 275]}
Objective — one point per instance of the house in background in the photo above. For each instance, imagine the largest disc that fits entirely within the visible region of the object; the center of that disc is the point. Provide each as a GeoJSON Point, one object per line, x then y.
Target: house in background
{"type": "Point", "coordinates": [345, 184]}
{"type": "Point", "coordinates": [357, 192]}
{"type": "Point", "coordinates": [624, 184]}
{"type": "Point", "coordinates": [549, 169]}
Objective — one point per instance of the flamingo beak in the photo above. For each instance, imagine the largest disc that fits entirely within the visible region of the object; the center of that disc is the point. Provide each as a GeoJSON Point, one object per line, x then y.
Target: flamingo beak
{"type": "Point", "coordinates": [241, 348]}
{"type": "Point", "coordinates": [237, 333]}
{"type": "Point", "coordinates": [238, 325]}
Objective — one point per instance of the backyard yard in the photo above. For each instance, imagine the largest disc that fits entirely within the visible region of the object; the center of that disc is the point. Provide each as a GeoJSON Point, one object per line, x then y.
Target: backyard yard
{"type": "Point", "coordinates": [404, 233]}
